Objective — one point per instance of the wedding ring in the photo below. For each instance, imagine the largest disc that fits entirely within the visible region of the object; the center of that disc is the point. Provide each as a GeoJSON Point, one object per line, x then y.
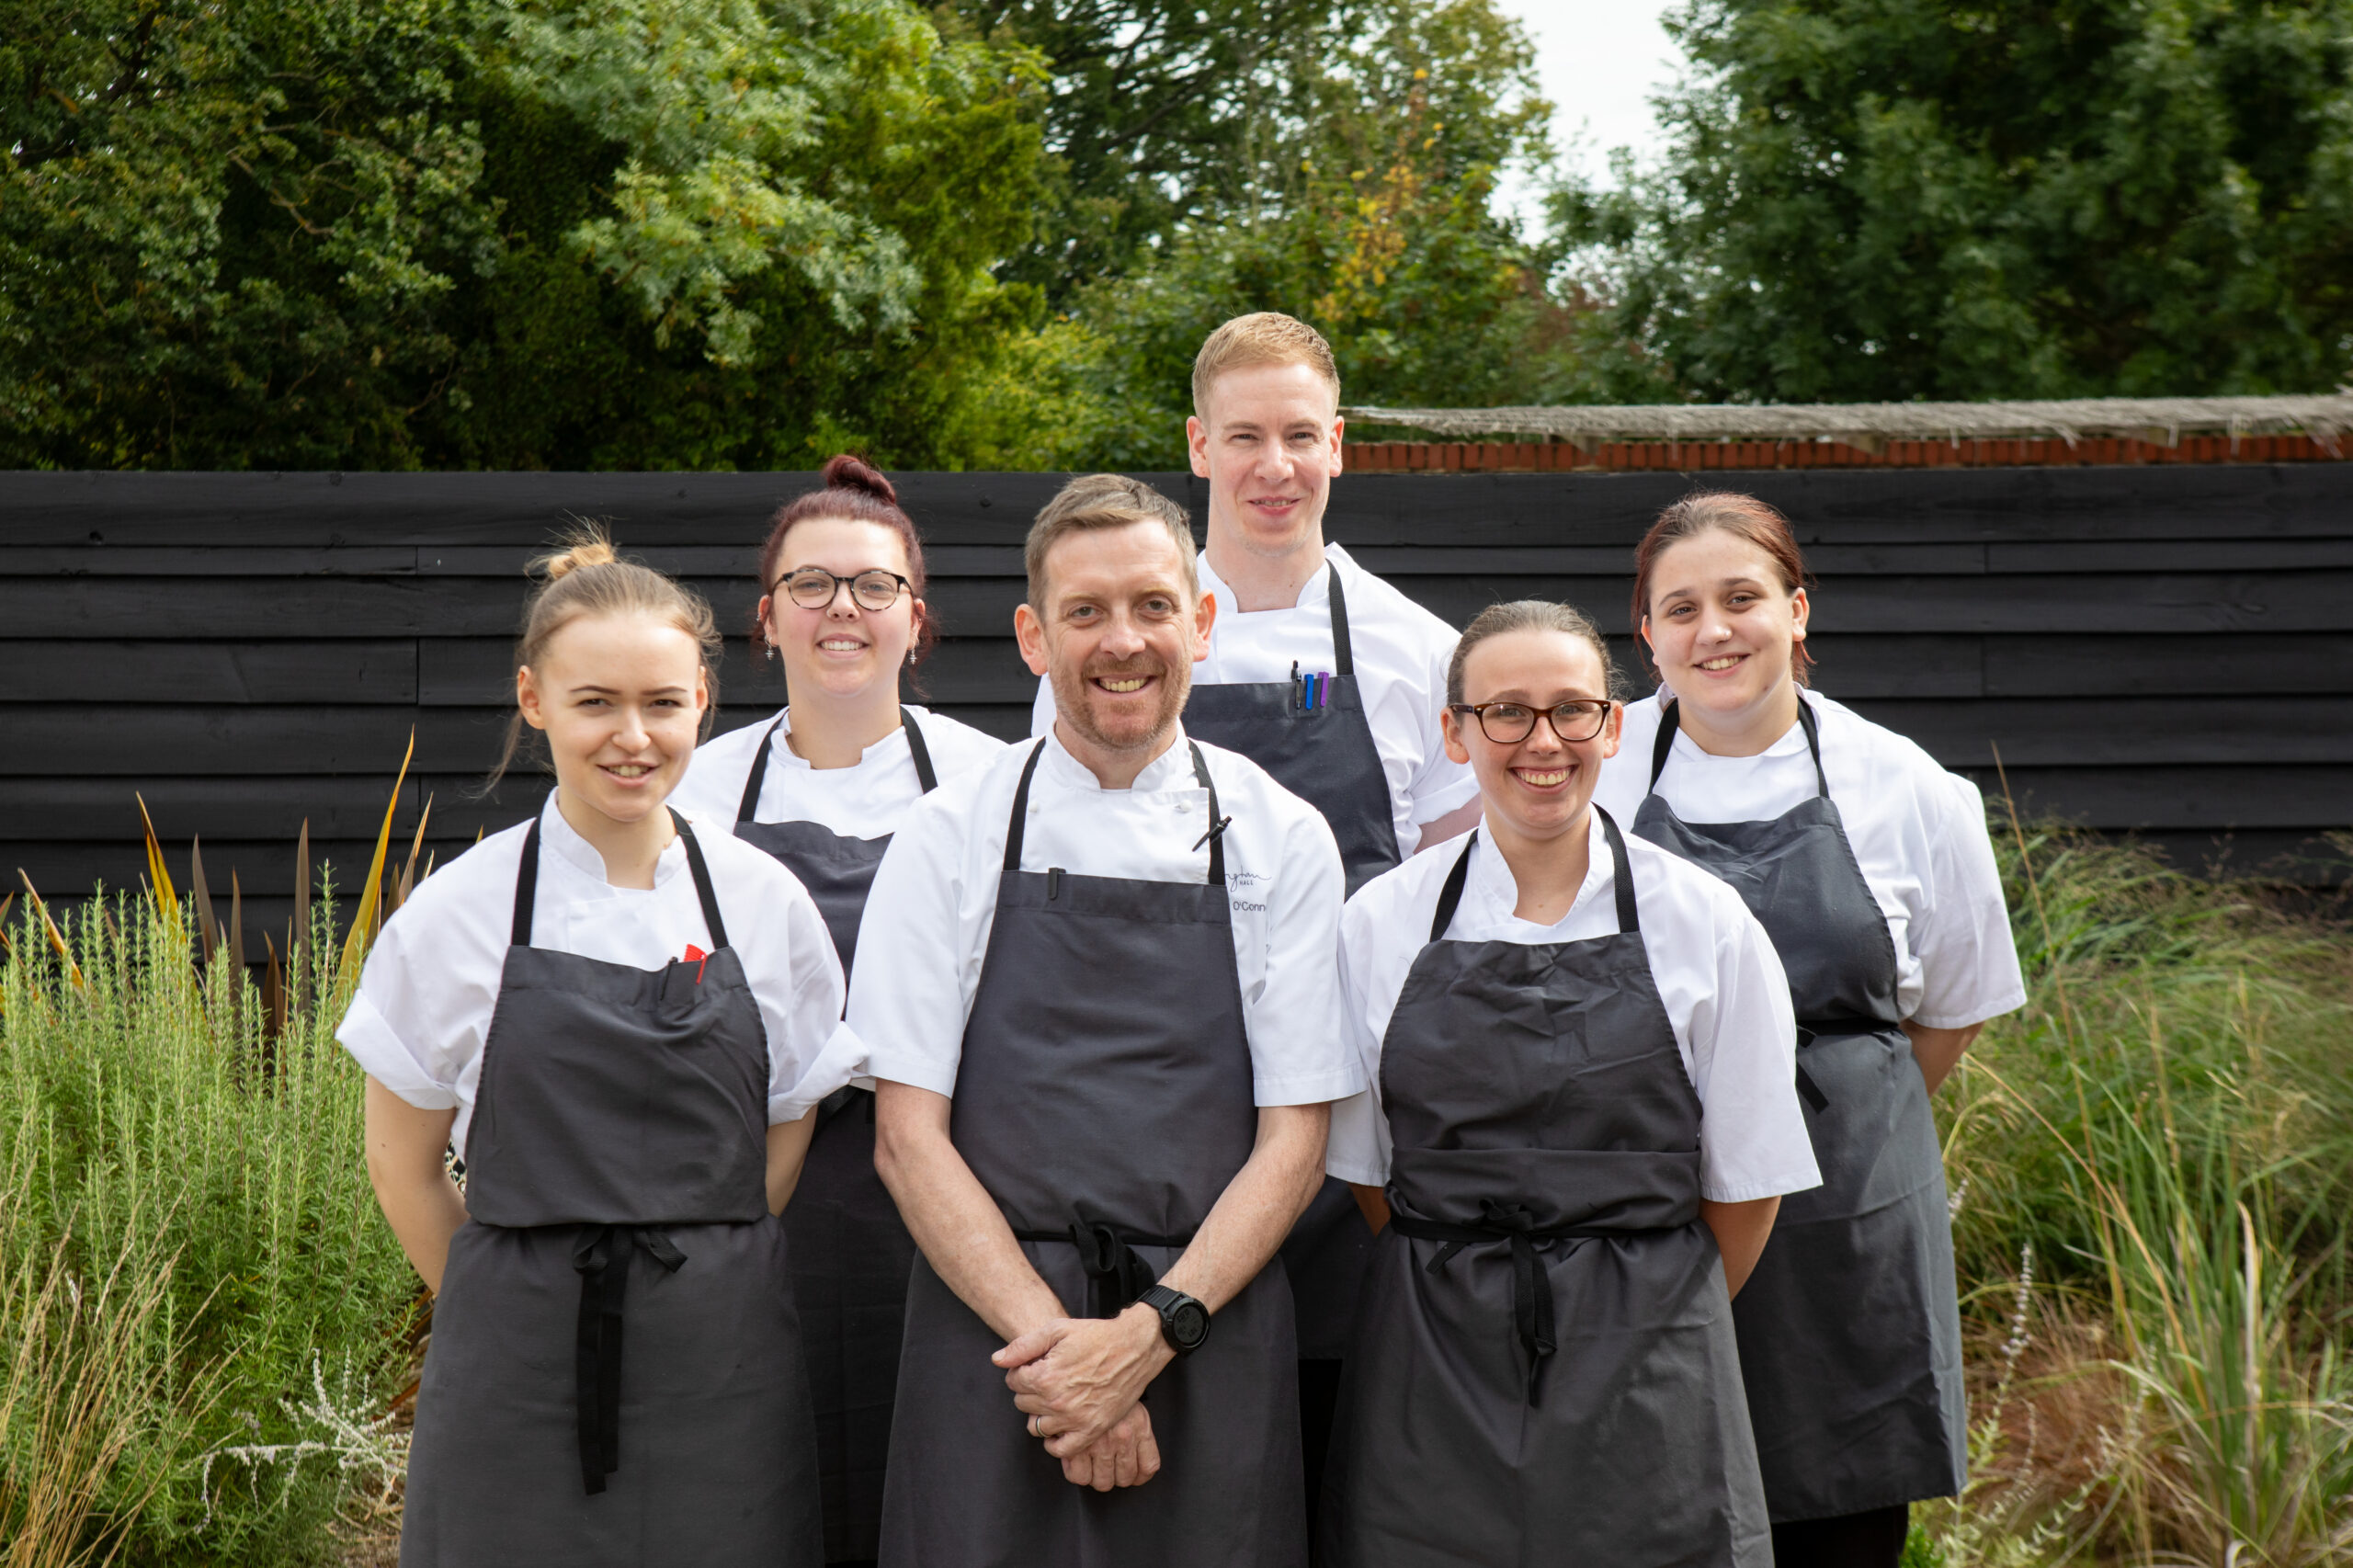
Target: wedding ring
{"type": "Point", "coordinates": [1033, 1426]}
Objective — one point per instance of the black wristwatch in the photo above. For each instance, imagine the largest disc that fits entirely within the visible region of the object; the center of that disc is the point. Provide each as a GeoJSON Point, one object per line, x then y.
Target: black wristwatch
{"type": "Point", "coordinates": [1183, 1321]}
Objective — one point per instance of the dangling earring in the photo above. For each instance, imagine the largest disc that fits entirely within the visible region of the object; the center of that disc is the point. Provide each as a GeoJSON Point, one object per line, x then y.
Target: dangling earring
{"type": "Point", "coordinates": [911, 658]}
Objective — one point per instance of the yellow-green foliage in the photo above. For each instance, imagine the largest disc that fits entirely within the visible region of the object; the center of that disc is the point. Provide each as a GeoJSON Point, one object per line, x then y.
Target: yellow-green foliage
{"type": "Point", "coordinates": [186, 1231]}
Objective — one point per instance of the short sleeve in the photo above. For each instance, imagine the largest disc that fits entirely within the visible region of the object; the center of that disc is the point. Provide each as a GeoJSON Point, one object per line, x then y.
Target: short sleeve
{"type": "Point", "coordinates": [1969, 960]}
{"type": "Point", "coordinates": [1358, 1150]}
{"type": "Point", "coordinates": [1742, 1037]}
{"type": "Point", "coordinates": [1440, 784]}
{"type": "Point", "coordinates": [812, 1051]}
{"type": "Point", "coordinates": [412, 1037]}
{"type": "Point", "coordinates": [1297, 1053]}
{"type": "Point", "coordinates": [908, 996]}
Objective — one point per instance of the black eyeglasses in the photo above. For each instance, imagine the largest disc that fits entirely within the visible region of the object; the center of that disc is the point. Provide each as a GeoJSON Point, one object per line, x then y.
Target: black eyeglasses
{"type": "Point", "coordinates": [814, 588]}
{"type": "Point", "coordinates": [1508, 723]}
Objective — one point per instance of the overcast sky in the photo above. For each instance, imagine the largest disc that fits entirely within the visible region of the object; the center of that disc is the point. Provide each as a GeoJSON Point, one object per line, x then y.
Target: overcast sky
{"type": "Point", "coordinates": [1600, 61]}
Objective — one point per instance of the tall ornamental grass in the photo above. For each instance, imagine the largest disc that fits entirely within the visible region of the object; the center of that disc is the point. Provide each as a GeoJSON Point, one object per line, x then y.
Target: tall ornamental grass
{"type": "Point", "coordinates": [2165, 1131]}
{"type": "Point", "coordinates": [203, 1318]}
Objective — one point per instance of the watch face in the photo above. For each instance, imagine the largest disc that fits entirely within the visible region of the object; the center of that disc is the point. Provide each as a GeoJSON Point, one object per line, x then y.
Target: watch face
{"type": "Point", "coordinates": [1188, 1323]}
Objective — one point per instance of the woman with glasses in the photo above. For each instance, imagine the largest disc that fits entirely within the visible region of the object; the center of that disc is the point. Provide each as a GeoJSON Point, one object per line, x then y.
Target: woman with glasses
{"type": "Point", "coordinates": [1581, 1121]}
{"type": "Point", "coordinates": [1869, 866]}
{"type": "Point", "coordinates": [822, 786]}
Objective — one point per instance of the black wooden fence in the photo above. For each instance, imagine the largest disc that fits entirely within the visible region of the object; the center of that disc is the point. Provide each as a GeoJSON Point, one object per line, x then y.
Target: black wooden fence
{"type": "Point", "coordinates": [2167, 651]}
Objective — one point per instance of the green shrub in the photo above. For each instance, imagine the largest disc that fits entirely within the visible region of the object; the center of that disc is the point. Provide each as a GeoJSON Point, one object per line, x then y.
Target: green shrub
{"type": "Point", "coordinates": [189, 1251]}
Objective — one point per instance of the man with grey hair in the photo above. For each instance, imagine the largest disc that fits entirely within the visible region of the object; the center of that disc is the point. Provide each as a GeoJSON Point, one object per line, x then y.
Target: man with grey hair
{"type": "Point", "coordinates": [1096, 984]}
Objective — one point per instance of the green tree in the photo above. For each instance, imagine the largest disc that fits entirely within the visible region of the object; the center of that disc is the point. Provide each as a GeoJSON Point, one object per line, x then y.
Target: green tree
{"type": "Point", "coordinates": [1869, 200]}
{"type": "Point", "coordinates": [1373, 217]}
{"type": "Point", "coordinates": [1150, 121]}
{"type": "Point", "coordinates": [454, 233]}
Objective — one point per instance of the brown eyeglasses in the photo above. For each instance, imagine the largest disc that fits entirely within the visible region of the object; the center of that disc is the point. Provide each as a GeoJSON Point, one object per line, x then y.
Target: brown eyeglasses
{"type": "Point", "coordinates": [814, 588]}
{"type": "Point", "coordinates": [1508, 723]}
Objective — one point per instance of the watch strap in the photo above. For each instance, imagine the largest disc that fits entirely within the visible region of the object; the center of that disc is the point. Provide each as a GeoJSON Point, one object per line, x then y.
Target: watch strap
{"type": "Point", "coordinates": [1167, 1300]}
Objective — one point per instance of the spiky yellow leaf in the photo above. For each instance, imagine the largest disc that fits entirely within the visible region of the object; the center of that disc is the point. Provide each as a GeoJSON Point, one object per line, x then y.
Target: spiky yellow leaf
{"type": "Point", "coordinates": [365, 919]}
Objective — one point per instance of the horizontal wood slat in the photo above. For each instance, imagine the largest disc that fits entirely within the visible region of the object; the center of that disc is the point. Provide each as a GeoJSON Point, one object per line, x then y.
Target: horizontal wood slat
{"type": "Point", "coordinates": [2161, 649]}
{"type": "Point", "coordinates": [362, 672]}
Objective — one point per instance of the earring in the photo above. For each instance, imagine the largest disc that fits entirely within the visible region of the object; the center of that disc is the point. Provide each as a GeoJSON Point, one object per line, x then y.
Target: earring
{"type": "Point", "coordinates": [911, 658]}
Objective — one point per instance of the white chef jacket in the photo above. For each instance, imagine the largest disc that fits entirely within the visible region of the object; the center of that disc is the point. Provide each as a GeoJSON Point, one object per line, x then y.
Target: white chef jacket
{"type": "Point", "coordinates": [1401, 653]}
{"type": "Point", "coordinates": [864, 802]}
{"type": "Point", "coordinates": [1722, 986]}
{"type": "Point", "coordinates": [926, 928]}
{"type": "Point", "coordinates": [1918, 833]}
{"type": "Point", "coordinates": [424, 1006]}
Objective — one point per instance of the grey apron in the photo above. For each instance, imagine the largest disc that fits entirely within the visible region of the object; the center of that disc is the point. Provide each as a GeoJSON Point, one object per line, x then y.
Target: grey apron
{"type": "Point", "coordinates": [1323, 755]}
{"type": "Point", "coordinates": [850, 1250]}
{"type": "Point", "coordinates": [1104, 1100]}
{"type": "Point", "coordinates": [615, 1189]}
{"type": "Point", "coordinates": [1545, 1369]}
{"type": "Point", "coordinates": [1850, 1326]}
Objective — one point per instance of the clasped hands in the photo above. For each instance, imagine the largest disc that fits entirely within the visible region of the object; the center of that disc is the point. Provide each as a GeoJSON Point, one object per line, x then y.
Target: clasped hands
{"type": "Point", "coordinates": [1079, 1380]}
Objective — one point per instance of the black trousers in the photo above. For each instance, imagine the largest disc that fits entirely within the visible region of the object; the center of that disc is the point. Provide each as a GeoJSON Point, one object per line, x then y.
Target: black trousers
{"type": "Point", "coordinates": [1873, 1539]}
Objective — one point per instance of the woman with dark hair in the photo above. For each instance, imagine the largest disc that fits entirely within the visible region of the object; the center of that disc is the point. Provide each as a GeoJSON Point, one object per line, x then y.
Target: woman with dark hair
{"type": "Point", "coordinates": [1582, 1122]}
{"type": "Point", "coordinates": [822, 786]}
{"type": "Point", "coordinates": [1870, 866]}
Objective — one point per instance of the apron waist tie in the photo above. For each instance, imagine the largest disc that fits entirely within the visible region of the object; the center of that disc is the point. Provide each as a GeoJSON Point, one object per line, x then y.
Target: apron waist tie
{"type": "Point", "coordinates": [1115, 1276]}
{"type": "Point", "coordinates": [1532, 1286]}
{"type": "Point", "coordinates": [1812, 1029]}
{"type": "Point", "coordinates": [602, 1259]}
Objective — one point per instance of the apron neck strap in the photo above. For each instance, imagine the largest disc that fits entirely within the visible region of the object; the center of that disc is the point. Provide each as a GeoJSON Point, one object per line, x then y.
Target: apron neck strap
{"type": "Point", "coordinates": [1021, 810]}
{"type": "Point", "coordinates": [1812, 744]}
{"type": "Point", "coordinates": [1630, 920]}
{"type": "Point", "coordinates": [702, 882]}
{"type": "Point", "coordinates": [1663, 744]}
{"type": "Point", "coordinates": [1343, 659]}
{"type": "Point", "coordinates": [748, 808]}
{"type": "Point", "coordinates": [1668, 724]}
{"type": "Point", "coordinates": [1216, 835]}
{"type": "Point", "coordinates": [919, 752]}
{"type": "Point", "coordinates": [1449, 897]}
{"type": "Point", "coordinates": [527, 884]}
{"type": "Point", "coordinates": [1621, 871]}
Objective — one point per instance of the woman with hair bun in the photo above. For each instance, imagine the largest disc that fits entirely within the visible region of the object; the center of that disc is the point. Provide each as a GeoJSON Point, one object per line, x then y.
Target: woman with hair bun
{"type": "Point", "coordinates": [822, 786]}
{"type": "Point", "coordinates": [1870, 866]}
{"type": "Point", "coordinates": [615, 1377]}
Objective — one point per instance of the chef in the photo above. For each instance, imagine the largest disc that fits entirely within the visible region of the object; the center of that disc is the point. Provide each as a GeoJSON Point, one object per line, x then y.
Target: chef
{"type": "Point", "coordinates": [822, 785]}
{"type": "Point", "coordinates": [1582, 1111]}
{"type": "Point", "coordinates": [1101, 973]}
{"type": "Point", "coordinates": [1870, 866]}
{"type": "Point", "coordinates": [1324, 675]}
{"type": "Point", "coordinates": [666, 1010]}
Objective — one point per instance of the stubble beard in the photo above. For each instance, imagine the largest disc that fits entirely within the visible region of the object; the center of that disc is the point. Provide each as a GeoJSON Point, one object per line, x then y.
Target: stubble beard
{"type": "Point", "coordinates": [1073, 702]}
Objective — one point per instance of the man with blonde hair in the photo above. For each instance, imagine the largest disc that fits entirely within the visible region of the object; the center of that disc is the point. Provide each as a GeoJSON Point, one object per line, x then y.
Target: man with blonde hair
{"type": "Point", "coordinates": [1097, 986]}
{"type": "Point", "coordinates": [1328, 678]}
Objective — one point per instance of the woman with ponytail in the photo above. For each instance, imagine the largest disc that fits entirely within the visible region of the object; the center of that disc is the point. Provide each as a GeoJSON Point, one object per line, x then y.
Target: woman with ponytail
{"type": "Point", "coordinates": [622, 1029]}
{"type": "Point", "coordinates": [822, 785]}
